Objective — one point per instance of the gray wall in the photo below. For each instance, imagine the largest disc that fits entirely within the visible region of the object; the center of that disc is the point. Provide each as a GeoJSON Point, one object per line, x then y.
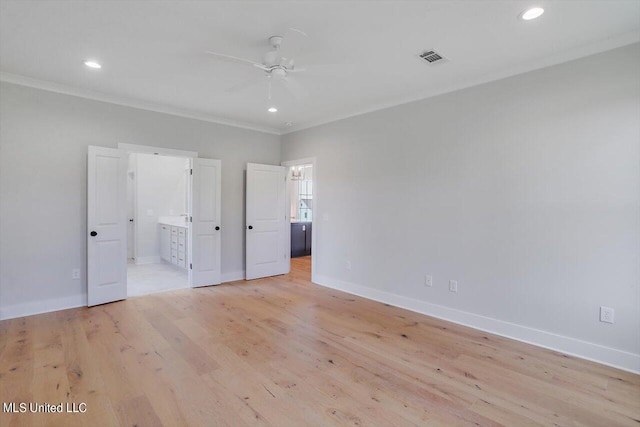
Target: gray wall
{"type": "Point", "coordinates": [525, 190]}
{"type": "Point", "coordinates": [43, 165]}
{"type": "Point", "coordinates": [160, 185]}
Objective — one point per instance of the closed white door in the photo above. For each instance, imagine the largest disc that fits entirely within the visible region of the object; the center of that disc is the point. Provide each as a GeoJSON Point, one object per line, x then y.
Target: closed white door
{"type": "Point", "coordinates": [206, 223]}
{"type": "Point", "coordinates": [106, 225]}
{"type": "Point", "coordinates": [266, 223]}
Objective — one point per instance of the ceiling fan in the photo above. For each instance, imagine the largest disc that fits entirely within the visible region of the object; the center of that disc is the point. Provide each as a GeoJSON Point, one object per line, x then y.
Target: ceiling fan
{"type": "Point", "coordinates": [278, 64]}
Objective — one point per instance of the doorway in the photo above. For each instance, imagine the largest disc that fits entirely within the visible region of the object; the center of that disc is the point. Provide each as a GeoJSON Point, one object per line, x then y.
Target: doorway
{"type": "Point", "coordinates": [302, 207]}
{"type": "Point", "coordinates": [107, 222]}
{"type": "Point", "coordinates": [158, 198]}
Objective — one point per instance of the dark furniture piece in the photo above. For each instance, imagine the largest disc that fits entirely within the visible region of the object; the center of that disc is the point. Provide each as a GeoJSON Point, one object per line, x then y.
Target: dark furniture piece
{"type": "Point", "coordinates": [300, 239]}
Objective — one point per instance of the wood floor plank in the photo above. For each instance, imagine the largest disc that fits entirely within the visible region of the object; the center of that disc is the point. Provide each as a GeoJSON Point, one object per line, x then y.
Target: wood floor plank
{"type": "Point", "coordinates": [281, 351]}
{"type": "Point", "coordinates": [17, 369]}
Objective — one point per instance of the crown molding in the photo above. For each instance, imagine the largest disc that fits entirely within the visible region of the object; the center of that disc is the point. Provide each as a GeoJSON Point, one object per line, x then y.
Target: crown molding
{"type": "Point", "coordinates": [565, 56]}
{"type": "Point", "coordinates": [129, 102]}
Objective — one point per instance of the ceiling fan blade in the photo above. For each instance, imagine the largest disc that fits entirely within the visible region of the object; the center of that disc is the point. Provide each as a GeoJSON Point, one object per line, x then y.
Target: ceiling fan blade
{"type": "Point", "coordinates": [262, 67]}
{"type": "Point", "coordinates": [292, 43]}
{"type": "Point", "coordinates": [233, 58]}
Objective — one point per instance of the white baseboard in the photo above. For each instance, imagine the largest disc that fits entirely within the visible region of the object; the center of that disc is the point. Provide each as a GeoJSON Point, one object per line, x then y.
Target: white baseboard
{"type": "Point", "coordinates": [232, 276]}
{"type": "Point", "coordinates": [571, 346]}
{"type": "Point", "coordinates": [46, 306]}
{"type": "Point", "coordinates": [43, 306]}
{"type": "Point", "coordinates": [147, 260]}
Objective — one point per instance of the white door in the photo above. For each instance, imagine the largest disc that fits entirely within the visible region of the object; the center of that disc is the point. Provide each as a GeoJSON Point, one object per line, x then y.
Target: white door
{"type": "Point", "coordinates": [206, 226]}
{"type": "Point", "coordinates": [106, 225]}
{"type": "Point", "coordinates": [131, 212]}
{"type": "Point", "coordinates": [267, 243]}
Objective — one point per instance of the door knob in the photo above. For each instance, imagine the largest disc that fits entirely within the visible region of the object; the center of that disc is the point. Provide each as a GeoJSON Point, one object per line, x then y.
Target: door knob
{"type": "Point", "coordinates": [94, 234]}
{"type": "Point", "coordinates": [250, 227]}
{"type": "Point", "coordinates": [217, 228]}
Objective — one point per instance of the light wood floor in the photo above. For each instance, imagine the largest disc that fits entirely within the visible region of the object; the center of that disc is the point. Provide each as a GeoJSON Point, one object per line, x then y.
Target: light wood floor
{"type": "Point", "coordinates": [284, 352]}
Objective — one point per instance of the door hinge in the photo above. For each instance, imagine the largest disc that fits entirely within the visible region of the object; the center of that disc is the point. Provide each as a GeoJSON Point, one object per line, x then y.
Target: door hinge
{"type": "Point", "coordinates": [190, 266]}
{"type": "Point", "coordinates": [191, 171]}
{"type": "Point", "coordinates": [190, 219]}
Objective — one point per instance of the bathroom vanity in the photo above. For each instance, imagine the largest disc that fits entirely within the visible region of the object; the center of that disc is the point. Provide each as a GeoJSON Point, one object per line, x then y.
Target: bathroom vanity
{"type": "Point", "coordinates": [174, 241]}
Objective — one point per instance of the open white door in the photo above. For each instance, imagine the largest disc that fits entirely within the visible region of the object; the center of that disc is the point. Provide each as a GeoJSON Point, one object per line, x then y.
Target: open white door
{"type": "Point", "coordinates": [268, 250]}
{"type": "Point", "coordinates": [106, 225]}
{"type": "Point", "coordinates": [206, 223]}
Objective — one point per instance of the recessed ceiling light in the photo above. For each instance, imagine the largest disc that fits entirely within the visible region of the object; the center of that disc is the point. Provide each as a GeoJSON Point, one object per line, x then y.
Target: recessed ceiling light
{"type": "Point", "coordinates": [272, 110]}
{"type": "Point", "coordinates": [92, 64]}
{"type": "Point", "coordinates": [532, 13]}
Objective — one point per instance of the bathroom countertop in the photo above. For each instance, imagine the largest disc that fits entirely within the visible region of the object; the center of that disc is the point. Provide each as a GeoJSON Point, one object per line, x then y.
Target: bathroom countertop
{"type": "Point", "coordinates": [175, 221]}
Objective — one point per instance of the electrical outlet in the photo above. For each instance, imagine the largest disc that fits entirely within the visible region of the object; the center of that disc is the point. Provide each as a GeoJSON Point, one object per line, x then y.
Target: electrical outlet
{"type": "Point", "coordinates": [453, 285]}
{"type": "Point", "coordinates": [428, 280]}
{"type": "Point", "coordinates": [75, 273]}
{"type": "Point", "coordinates": [607, 314]}
{"type": "Point", "coordinates": [347, 265]}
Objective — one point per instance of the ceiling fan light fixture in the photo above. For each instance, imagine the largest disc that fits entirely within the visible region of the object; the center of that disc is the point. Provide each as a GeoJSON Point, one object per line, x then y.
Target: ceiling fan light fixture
{"type": "Point", "coordinates": [531, 13]}
{"type": "Point", "coordinates": [92, 64]}
{"type": "Point", "coordinates": [272, 110]}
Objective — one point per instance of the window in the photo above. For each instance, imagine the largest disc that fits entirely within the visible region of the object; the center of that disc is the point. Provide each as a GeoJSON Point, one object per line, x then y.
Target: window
{"type": "Point", "coordinates": [301, 193]}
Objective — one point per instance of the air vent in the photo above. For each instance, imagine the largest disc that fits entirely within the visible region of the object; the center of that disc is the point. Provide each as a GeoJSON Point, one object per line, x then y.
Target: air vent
{"type": "Point", "coordinates": [432, 57]}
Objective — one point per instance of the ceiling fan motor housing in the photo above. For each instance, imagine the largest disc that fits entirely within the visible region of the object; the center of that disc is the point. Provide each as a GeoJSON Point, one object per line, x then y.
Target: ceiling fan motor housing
{"type": "Point", "coordinates": [275, 41]}
{"type": "Point", "coordinates": [279, 72]}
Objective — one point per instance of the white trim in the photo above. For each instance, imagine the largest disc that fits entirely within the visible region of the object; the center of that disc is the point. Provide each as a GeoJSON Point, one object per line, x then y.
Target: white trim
{"type": "Point", "coordinates": [147, 260]}
{"type": "Point", "coordinates": [566, 56]}
{"type": "Point", "coordinates": [147, 149]}
{"type": "Point", "coordinates": [56, 304]}
{"type": "Point", "coordinates": [315, 222]}
{"type": "Point", "coordinates": [43, 306]}
{"type": "Point", "coordinates": [305, 161]}
{"type": "Point", "coordinates": [571, 346]}
{"type": "Point", "coordinates": [232, 276]}
{"type": "Point", "coordinates": [129, 102]}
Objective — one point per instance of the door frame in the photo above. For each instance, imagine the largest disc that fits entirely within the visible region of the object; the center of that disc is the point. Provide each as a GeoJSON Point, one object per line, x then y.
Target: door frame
{"type": "Point", "coordinates": [160, 151]}
{"type": "Point", "coordinates": [134, 190]}
{"type": "Point", "coordinates": [316, 222]}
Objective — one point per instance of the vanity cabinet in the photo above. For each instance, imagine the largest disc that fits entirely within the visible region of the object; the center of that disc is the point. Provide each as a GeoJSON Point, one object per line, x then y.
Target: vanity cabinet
{"type": "Point", "coordinates": [174, 244]}
{"type": "Point", "coordinates": [300, 239]}
{"type": "Point", "coordinates": [165, 242]}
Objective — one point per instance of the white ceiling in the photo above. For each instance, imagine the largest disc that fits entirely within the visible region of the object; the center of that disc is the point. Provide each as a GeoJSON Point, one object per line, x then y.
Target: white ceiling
{"type": "Point", "coordinates": [153, 51]}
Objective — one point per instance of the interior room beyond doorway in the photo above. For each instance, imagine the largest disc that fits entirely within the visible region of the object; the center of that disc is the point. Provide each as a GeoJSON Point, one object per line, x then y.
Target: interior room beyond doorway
{"type": "Point", "coordinates": [301, 207]}
{"type": "Point", "coordinates": [158, 194]}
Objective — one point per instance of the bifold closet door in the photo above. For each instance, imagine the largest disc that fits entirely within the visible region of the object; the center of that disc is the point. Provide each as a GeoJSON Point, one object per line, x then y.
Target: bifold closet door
{"type": "Point", "coordinates": [206, 227]}
{"type": "Point", "coordinates": [106, 225]}
{"type": "Point", "coordinates": [267, 237]}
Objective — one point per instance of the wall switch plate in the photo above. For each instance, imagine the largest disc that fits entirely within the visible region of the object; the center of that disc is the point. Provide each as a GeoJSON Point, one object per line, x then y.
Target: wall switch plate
{"type": "Point", "coordinates": [607, 314]}
{"type": "Point", "coordinates": [428, 280]}
{"type": "Point", "coordinates": [75, 273]}
{"type": "Point", "coordinates": [347, 265]}
{"type": "Point", "coordinates": [453, 285]}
